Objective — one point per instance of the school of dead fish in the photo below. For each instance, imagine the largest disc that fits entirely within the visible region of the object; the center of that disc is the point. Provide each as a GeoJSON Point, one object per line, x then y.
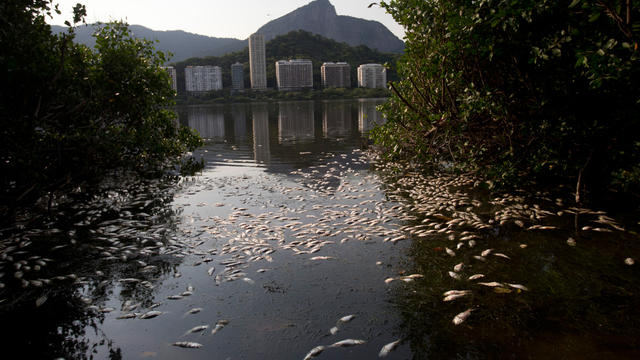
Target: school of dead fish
{"type": "Point", "coordinates": [435, 206]}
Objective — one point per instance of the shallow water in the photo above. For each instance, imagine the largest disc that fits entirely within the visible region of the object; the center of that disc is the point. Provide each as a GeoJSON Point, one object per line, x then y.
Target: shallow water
{"type": "Point", "coordinates": [292, 226]}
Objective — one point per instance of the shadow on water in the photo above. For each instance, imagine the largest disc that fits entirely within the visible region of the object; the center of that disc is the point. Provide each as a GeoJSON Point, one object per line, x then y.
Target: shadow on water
{"type": "Point", "coordinates": [61, 268]}
{"type": "Point", "coordinates": [551, 281]}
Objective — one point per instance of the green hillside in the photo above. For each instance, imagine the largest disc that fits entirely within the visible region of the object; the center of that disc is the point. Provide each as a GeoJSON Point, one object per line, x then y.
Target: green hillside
{"type": "Point", "coordinates": [296, 44]}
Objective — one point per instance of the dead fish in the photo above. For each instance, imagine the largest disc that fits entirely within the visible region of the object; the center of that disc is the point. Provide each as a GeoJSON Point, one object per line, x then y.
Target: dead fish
{"type": "Point", "coordinates": [476, 276]}
{"type": "Point", "coordinates": [150, 314]}
{"type": "Point", "coordinates": [388, 348]}
{"type": "Point", "coordinates": [321, 258]}
{"type": "Point", "coordinates": [262, 270]}
{"type": "Point", "coordinates": [174, 297]}
{"type": "Point", "coordinates": [248, 280]}
{"type": "Point", "coordinates": [460, 318]}
{"type": "Point", "coordinates": [219, 325]}
{"type": "Point", "coordinates": [502, 255]}
{"type": "Point", "coordinates": [456, 295]}
{"type": "Point", "coordinates": [333, 330]}
{"type": "Point", "coordinates": [193, 311]}
{"type": "Point", "coordinates": [491, 284]}
{"type": "Point", "coordinates": [458, 267]}
{"type": "Point", "coordinates": [187, 344]}
{"type": "Point", "coordinates": [518, 286]}
{"type": "Point", "coordinates": [450, 252]}
{"type": "Point", "coordinates": [629, 261]}
{"type": "Point", "coordinates": [388, 280]}
{"type": "Point", "coordinates": [196, 329]}
{"type": "Point", "coordinates": [41, 300]}
{"type": "Point", "coordinates": [346, 319]}
{"type": "Point", "coordinates": [211, 270]}
{"type": "Point", "coordinates": [347, 342]}
{"type": "Point", "coordinates": [454, 275]}
{"type": "Point", "coordinates": [127, 316]}
{"type": "Point", "coordinates": [486, 252]}
{"type": "Point", "coordinates": [314, 352]}
{"type": "Point", "coordinates": [479, 258]}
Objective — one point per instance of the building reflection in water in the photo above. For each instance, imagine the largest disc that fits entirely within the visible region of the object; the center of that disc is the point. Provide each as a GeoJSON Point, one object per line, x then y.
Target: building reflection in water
{"type": "Point", "coordinates": [239, 116]}
{"type": "Point", "coordinates": [336, 119]}
{"type": "Point", "coordinates": [295, 121]}
{"type": "Point", "coordinates": [261, 150]}
{"type": "Point", "coordinates": [207, 120]}
{"type": "Point", "coordinates": [368, 116]}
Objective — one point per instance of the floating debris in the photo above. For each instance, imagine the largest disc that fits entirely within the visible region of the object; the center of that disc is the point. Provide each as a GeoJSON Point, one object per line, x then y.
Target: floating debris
{"type": "Point", "coordinates": [629, 261]}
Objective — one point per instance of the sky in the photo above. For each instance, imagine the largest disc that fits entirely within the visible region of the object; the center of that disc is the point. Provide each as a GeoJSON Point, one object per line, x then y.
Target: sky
{"type": "Point", "coordinates": [218, 18]}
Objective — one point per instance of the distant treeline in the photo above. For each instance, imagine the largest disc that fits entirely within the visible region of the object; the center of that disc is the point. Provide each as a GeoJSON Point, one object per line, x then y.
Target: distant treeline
{"type": "Point", "coordinates": [229, 96]}
{"type": "Point", "coordinates": [294, 45]}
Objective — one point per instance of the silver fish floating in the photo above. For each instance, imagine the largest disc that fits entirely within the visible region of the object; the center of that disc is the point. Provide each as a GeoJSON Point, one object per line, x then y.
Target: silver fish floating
{"type": "Point", "coordinates": [314, 352]}
{"type": "Point", "coordinates": [150, 314]}
{"type": "Point", "coordinates": [476, 276]}
{"type": "Point", "coordinates": [193, 311]}
{"type": "Point", "coordinates": [219, 325]}
{"type": "Point", "coordinates": [347, 318]}
{"type": "Point", "coordinates": [196, 329]}
{"type": "Point", "coordinates": [347, 342]}
{"type": "Point", "coordinates": [187, 344]}
{"type": "Point", "coordinates": [333, 330]}
{"type": "Point", "coordinates": [388, 348]}
{"type": "Point", "coordinates": [518, 286]}
{"type": "Point", "coordinates": [454, 275]}
{"type": "Point", "coordinates": [460, 318]}
{"type": "Point", "coordinates": [458, 267]}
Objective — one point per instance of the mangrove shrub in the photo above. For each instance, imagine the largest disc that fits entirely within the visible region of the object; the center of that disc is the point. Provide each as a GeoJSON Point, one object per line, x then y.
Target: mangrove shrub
{"type": "Point", "coordinates": [519, 89]}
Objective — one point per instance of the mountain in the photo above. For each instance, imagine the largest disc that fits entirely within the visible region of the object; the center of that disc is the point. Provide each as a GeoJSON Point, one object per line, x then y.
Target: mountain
{"type": "Point", "coordinates": [296, 44]}
{"type": "Point", "coordinates": [320, 17]}
{"type": "Point", "coordinates": [182, 44]}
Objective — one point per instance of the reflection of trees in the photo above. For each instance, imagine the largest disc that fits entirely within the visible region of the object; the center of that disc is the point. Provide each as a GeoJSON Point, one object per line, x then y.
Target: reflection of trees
{"type": "Point", "coordinates": [336, 119]}
{"type": "Point", "coordinates": [261, 148]}
{"type": "Point", "coordinates": [207, 120]}
{"type": "Point", "coordinates": [577, 301]}
{"type": "Point", "coordinates": [106, 234]}
{"type": "Point", "coordinates": [368, 116]}
{"type": "Point", "coordinates": [295, 121]}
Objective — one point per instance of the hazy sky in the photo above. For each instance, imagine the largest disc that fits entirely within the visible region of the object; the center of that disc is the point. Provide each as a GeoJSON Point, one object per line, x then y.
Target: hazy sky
{"type": "Point", "coordinates": [218, 18]}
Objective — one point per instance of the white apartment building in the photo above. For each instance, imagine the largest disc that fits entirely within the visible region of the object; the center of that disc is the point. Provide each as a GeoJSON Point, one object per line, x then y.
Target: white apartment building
{"type": "Point", "coordinates": [294, 74]}
{"type": "Point", "coordinates": [203, 78]}
{"type": "Point", "coordinates": [372, 76]}
{"type": "Point", "coordinates": [257, 62]}
{"type": "Point", "coordinates": [336, 75]}
{"type": "Point", "coordinates": [172, 75]}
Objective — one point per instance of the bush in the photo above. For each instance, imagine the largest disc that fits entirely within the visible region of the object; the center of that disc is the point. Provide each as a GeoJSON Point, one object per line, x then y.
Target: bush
{"type": "Point", "coordinates": [70, 114]}
{"type": "Point", "coordinates": [519, 90]}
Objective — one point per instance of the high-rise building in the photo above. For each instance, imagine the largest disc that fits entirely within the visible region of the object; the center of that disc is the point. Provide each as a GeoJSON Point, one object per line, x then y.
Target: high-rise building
{"type": "Point", "coordinates": [237, 76]}
{"type": "Point", "coordinates": [202, 78]}
{"type": "Point", "coordinates": [257, 62]}
{"type": "Point", "coordinates": [294, 74]}
{"type": "Point", "coordinates": [173, 76]}
{"type": "Point", "coordinates": [372, 76]}
{"type": "Point", "coordinates": [336, 75]}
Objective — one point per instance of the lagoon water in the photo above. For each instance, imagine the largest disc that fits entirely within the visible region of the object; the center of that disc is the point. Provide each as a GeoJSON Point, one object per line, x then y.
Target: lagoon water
{"type": "Point", "coordinates": [292, 226]}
